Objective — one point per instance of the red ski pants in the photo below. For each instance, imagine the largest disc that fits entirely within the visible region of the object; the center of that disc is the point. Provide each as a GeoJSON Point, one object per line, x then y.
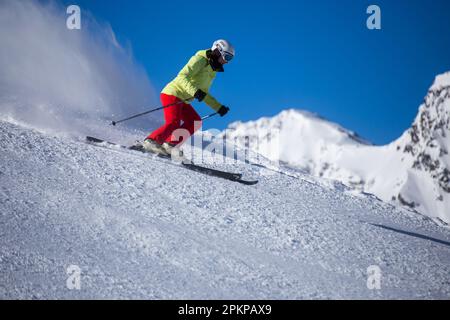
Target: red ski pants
{"type": "Point", "coordinates": [178, 116]}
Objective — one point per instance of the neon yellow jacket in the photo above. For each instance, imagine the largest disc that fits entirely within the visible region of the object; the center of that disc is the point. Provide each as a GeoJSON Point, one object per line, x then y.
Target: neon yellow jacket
{"type": "Point", "coordinates": [197, 74]}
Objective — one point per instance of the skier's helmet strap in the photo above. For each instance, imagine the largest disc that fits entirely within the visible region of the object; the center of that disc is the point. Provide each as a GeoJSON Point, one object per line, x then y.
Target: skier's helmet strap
{"type": "Point", "coordinates": [225, 48]}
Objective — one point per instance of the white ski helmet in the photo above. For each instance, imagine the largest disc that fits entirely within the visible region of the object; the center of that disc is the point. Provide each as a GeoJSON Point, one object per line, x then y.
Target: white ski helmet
{"type": "Point", "coordinates": [225, 48]}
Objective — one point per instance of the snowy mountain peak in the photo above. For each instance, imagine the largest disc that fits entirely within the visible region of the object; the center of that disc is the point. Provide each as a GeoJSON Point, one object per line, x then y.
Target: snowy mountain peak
{"type": "Point", "coordinates": [309, 119]}
{"type": "Point", "coordinates": [431, 127]}
{"type": "Point", "coordinates": [413, 171]}
{"type": "Point", "coordinates": [441, 81]}
{"type": "Point", "coordinates": [427, 141]}
{"type": "Point", "coordinates": [291, 123]}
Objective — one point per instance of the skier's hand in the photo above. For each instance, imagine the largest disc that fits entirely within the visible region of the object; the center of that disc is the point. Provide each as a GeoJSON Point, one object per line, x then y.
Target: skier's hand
{"type": "Point", "coordinates": [200, 95]}
{"type": "Point", "coordinates": [223, 111]}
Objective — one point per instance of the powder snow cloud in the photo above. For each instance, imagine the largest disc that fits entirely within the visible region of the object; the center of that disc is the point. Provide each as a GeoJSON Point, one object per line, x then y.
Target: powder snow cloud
{"type": "Point", "coordinates": [60, 79]}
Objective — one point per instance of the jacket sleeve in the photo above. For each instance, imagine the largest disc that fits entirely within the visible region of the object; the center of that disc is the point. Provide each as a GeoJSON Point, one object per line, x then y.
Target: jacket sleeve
{"type": "Point", "coordinates": [213, 103]}
{"type": "Point", "coordinates": [195, 64]}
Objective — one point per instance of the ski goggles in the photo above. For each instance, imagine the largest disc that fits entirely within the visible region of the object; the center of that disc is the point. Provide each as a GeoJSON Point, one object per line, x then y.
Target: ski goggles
{"type": "Point", "coordinates": [227, 56]}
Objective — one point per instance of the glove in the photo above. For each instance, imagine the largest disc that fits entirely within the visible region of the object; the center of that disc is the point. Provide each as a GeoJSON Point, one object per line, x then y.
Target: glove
{"type": "Point", "coordinates": [223, 111]}
{"type": "Point", "coordinates": [200, 95]}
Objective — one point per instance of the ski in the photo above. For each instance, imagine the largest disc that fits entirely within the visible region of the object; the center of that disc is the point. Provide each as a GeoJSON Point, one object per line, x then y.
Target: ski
{"type": "Point", "coordinates": [235, 177]}
{"type": "Point", "coordinates": [106, 143]}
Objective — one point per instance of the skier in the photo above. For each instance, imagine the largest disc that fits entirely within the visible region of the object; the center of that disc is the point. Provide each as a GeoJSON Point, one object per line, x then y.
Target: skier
{"type": "Point", "coordinates": [193, 82]}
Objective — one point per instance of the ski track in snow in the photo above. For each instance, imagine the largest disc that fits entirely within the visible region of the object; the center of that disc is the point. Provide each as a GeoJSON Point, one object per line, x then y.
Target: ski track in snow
{"type": "Point", "coordinates": [140, 228]}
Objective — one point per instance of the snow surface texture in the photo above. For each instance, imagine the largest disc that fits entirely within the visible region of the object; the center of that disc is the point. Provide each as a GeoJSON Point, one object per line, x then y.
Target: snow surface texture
{"type": "Point", "coordinates": [413, 171]}
{"type": "Point", "coordinates": [144, 228]}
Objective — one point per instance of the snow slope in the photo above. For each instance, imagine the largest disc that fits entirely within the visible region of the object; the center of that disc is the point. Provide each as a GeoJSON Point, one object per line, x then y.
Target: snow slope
{"type": "Point", "coordinates": [413, 171]}
{"type": "Point", "coordinates": [143, 228]}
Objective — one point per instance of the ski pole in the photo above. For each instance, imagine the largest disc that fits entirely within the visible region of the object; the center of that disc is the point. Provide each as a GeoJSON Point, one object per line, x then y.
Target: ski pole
{"type": "Point", "coordinates": [210, 116]}
{"type": "Point", "coordinates": [147, 112]}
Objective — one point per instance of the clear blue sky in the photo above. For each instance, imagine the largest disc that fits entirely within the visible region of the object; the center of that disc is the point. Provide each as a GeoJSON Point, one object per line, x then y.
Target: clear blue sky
{"type": "Point", "coordinates": [314, 55]}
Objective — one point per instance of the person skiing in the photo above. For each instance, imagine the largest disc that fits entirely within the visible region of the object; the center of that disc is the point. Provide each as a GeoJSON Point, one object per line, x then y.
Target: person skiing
{"type": "Point", "coordinates": [192, 82]}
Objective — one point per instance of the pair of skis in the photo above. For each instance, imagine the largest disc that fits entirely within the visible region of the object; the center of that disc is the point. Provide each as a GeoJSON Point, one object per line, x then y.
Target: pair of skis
{"type": "Point", "coordinates": [236, 177]}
